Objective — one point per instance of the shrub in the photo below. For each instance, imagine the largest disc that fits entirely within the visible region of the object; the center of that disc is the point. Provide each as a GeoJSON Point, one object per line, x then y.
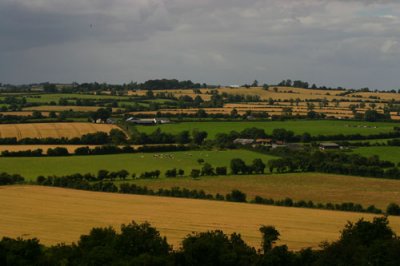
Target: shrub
{"type": "Point", "coordinates": [236, 196]}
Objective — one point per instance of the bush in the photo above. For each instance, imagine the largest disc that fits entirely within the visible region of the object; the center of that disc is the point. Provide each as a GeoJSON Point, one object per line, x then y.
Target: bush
{"type": "Point", "coordinates": [236, 196]}
{"type": "Point", "coordinates": [195, 173]}
{"type": "Point", "coordinates": [171, 173]}
{"type": "Point", "coordinates": [393, 209]}
{"type": "Point", "coordinates": [7, 179]}
{"type": "Point", "coordinates": [58, 151]}
{"type": "Point", "coordinates": [221, 170]}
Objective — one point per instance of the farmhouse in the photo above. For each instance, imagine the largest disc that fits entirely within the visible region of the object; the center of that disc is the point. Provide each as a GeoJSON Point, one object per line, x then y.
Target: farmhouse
{"type": "Point", "coordinates": [329, 146]}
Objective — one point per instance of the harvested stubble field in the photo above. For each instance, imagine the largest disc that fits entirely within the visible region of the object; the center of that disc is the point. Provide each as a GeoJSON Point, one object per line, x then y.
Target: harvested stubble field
{"type": "Point", "coordinates": [314, 127]}
{"type": "Point", "coordinates": [32, 167]}
{"type": "Point", "coordinates": [60, 215]}
{"type": "Point", "coordinates": [51, 130]}
{"type": "Point", "coordinates": [318, 187]}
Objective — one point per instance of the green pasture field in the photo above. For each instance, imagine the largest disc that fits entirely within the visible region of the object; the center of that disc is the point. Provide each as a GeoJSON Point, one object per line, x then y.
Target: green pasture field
{"type": "Point", "coordinates": [318, 187]}
{"type": "Point", "coordinates": [31, 167]}
{"type": "Point", "coordinates": [372, 141]}
{"type": "Point", "coordinates": [388, 153]}
{"type": "Point", "coordinates": [316, 127]}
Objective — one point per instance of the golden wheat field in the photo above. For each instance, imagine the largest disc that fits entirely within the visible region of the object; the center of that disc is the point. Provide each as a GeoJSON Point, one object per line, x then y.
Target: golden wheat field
{"type": "Point", "coordinates": [51, 130]}
{"type": "Point", "coordinates": [61, 215]}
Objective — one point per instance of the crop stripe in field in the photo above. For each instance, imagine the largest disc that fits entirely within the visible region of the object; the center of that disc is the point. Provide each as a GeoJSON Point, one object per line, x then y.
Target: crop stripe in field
{"type": "Point", "coordinates": [56, 130]}
{"type": "Point", "coordinates": [39, 135]}
{"type": "Point", "coordinates": [18, 131]}
{"type": "Point", "coordinates": [77, 130]}
{"type": "Point", "coordinates": [93, 127]}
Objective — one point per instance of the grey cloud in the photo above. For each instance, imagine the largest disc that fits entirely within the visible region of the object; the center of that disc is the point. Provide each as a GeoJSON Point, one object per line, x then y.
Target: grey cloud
{"type": "Point", "coordinates": [224, 41]}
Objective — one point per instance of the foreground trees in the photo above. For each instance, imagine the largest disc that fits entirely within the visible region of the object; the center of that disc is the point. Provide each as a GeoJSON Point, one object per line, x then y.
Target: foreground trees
{"type": "Point", "coordinates": [360, 243]}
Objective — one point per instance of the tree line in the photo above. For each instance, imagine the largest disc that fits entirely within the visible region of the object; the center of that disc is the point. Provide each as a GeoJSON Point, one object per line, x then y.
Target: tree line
{"type": "Point", "coordinates": [333, 162]}
{"type": "Point", "coordinates": [115, 136]}
{"type": "Point", "coordinates": [99, 150]}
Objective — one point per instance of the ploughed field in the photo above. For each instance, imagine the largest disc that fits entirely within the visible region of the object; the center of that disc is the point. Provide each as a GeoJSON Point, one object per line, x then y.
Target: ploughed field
{"type": "Point", "coordinates": [32, 167]}
{"type": "Point", "coordinates": [57, 215]}
{"type": "Point", "coordinates": [314, 127]}
{"type": "Point", "coordinates": [52, 130]}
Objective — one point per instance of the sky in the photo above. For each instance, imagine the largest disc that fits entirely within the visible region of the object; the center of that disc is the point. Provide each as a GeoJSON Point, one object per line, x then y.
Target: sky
{"type": "Point", "coordinates": [348, 43]}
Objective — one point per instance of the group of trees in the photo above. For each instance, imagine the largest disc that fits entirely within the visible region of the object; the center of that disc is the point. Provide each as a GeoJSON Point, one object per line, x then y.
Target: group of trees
{"type": "Point", "coordinates": [86, 150]}
{"type": "Point", "coordinates": [174, 172]}
{"type": "Point", "coordinates": [7, 179]}
{"type": "Point", "coordinates": [158, 137]}
{"type": "Point", "coordinates": [333, 162]}
{"type": "Point", "coordinates": [360, 243]}
{"type": "Point", "coordinates": [168, 84]}
{"type": "Point", "coordinates": [238, 166]}
{"type": "Point", "coordinates": [115, 136]}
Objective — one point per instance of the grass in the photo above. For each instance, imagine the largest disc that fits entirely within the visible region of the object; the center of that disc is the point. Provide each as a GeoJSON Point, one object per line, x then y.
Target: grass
{"type": "Point", "coordinates": [54, 130]}
{"type": "Point", "coordinates": [388, 153]}
{"type": "Point", "coordinates": [318, 187]}
{"type": "Point", "coordinates": [323, 127]}
{"type": "Point", "coordinates": [57, 215]}
{"type": "Point", "coordinates": [134, 163]}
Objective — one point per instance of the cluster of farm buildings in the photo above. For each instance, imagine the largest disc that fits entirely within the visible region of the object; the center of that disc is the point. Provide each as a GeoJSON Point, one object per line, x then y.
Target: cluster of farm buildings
{"type": "Point", "coordinates": [270, 143]}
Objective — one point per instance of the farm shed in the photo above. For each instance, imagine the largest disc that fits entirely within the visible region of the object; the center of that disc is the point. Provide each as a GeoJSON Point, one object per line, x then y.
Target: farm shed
{"type": "Point", "coordinates": [243, 141]}
{"type": "Point", "coordinates": [136, 121]}
{"type": "Point", "coordinates": [329, 146]}
{"type": "Point", "coordinates": [263, 141]}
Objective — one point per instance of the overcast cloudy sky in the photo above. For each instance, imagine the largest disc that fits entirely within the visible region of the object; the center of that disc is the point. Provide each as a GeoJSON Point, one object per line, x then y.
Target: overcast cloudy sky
{"type": "Point", "coordinates": [351, 43]}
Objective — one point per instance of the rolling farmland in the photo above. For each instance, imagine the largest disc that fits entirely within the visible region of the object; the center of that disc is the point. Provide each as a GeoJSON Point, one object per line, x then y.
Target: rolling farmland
{"type": "Point", "coordinates": [35, 212]}
{"type": "Point", "coordinates": [51, 130]}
